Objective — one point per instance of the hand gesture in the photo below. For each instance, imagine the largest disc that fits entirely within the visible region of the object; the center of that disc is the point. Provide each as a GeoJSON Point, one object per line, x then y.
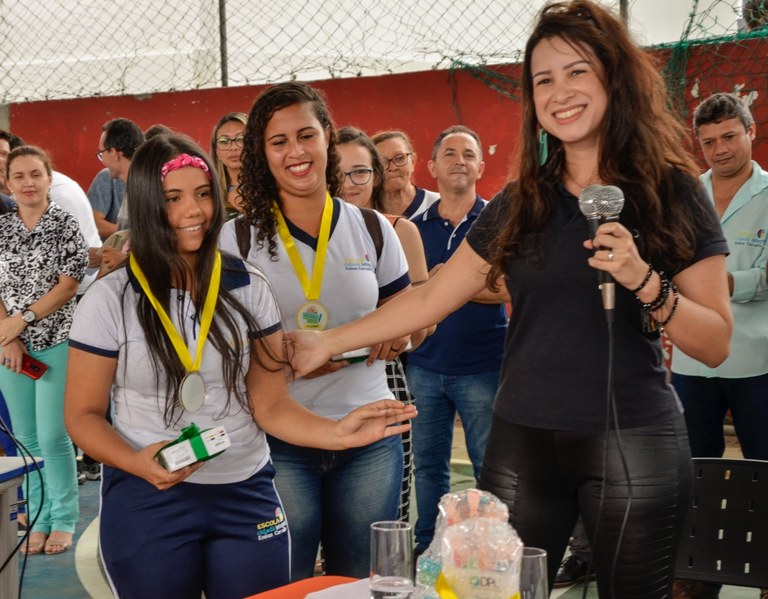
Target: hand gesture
{"type": "Point", "coordinates": [374, 421]}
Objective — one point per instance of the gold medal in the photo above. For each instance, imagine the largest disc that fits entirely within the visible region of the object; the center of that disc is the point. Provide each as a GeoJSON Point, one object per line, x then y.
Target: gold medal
{"type": "Point", "coordinates": [312, 316]}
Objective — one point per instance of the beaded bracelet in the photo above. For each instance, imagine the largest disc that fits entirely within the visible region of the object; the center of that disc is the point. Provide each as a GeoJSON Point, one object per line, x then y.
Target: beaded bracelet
{"type": "Point", "coordinates": [665, 322]}
{"type": "Point", "coordinates": [645, 280]}
{"type": "Point", "coordinates": [660, 299]}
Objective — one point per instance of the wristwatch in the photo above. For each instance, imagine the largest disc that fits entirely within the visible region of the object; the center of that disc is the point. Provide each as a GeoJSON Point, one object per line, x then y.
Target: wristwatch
{"type": "Point", "coordinates": [28, 316]}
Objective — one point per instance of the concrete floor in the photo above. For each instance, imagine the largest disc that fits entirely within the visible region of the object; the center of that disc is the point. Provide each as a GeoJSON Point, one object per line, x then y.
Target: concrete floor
{"type": "Point", "coordinates": [77, 574]}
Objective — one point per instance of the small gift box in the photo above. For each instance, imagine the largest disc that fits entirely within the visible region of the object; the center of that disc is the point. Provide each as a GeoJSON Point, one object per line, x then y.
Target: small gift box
{"type": "Point", "coordinates": [192, 446]}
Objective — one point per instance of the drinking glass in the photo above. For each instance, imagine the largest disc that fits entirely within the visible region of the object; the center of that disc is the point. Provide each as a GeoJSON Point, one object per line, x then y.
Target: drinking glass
{"type": "Point", "coordinates": [533, 574]}
{"type": "Point", "coordinates": [391, 560]}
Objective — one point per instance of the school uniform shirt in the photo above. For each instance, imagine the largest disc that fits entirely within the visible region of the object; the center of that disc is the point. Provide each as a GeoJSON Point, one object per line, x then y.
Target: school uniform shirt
{"type": "Point", "coordinates": [107, 324]}
{"type": "Point", "coordinates": [354, 281]}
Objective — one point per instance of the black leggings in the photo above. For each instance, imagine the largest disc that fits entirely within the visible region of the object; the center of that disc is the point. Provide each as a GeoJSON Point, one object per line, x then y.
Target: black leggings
{"type": "Point", "coordinates": [547, 478]}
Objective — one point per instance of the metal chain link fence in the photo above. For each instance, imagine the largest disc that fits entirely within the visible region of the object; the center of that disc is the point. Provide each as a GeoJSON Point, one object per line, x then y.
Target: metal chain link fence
{"type": "Point", "coordinates": [80, 48]}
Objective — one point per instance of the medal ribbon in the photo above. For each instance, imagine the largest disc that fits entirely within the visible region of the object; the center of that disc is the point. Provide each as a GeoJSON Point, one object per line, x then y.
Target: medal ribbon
{"type": "Point", "coordinates": [205, 320]}
{"type": "Point", "coordinates": [311, 287]}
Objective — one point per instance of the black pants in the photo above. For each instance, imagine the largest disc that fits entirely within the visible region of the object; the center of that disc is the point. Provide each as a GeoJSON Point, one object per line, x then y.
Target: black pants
{"type": "Point", "coordinates": [547, 478]}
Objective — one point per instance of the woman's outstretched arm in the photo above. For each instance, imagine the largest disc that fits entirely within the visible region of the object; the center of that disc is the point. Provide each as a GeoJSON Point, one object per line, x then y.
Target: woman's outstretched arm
{"type": "Point", "coordinates": [458, 281]}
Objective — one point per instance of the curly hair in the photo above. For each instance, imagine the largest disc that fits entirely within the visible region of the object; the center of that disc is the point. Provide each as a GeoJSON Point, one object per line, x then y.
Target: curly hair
{"type": "Point", "coordinates": [644, 145]}
{"type": "Point", "coordinates": [353, 135]}
{"type": "Point", "coordinates": [258, 187]}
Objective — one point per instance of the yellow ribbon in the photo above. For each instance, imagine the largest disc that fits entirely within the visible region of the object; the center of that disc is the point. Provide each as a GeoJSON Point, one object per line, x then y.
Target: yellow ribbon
{"type": "Point", "coordinates": [311, 287]}
{"type": "Point", "coordinates": [205, 320]}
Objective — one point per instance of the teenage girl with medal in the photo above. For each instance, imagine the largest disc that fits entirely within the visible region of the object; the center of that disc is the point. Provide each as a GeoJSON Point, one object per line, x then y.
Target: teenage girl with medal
{"type": "Point", "coordinates": [186, 334]}
{"type": "Point", "coordinates": [321, 260]}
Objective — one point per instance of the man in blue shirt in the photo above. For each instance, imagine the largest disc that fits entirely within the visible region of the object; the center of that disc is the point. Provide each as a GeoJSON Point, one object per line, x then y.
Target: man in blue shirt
{"type": "Point", "coordinates": [457, 368]}
{"type": "Point", "coordinates": [119, 139]}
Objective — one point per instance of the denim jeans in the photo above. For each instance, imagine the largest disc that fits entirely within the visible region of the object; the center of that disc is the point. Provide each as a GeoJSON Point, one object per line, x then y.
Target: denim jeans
{"type": "Point", "coordinates": [706, 400]}
{"type": "Point", "coordinates": [438, 398]}
{"type": "Point", "coordinates": [333, 497]}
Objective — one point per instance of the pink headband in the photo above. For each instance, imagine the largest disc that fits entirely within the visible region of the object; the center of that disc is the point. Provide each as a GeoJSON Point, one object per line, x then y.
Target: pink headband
{"type": "Point", "coordinates": [181, 161]}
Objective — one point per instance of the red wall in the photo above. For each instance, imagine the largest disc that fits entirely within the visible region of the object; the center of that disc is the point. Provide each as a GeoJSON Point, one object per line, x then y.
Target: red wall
{"type": "Point", "coordinates": [420, 103]}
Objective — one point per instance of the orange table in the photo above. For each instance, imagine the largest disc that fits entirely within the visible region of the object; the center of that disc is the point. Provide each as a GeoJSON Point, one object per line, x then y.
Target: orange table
{"type": "Point", "coordinates": [299, 589]}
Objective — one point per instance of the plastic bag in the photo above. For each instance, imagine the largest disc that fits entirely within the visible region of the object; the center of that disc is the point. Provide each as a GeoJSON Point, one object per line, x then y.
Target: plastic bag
{"type": "Point", "coordinates": [475, 553]}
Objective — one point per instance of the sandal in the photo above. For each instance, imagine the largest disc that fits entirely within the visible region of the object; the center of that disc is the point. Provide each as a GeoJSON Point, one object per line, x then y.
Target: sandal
{"type": "Point", "coordinates": [58, 542]}
{"type": "Point", "coordinates": [34, 543]}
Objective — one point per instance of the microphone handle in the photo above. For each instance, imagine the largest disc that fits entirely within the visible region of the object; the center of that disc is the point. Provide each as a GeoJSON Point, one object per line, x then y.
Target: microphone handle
{"type": "Point", "coordinates": [604, 279]}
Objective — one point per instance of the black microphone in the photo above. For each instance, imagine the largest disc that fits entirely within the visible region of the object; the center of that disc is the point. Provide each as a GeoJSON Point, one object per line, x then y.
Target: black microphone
{"type": "Point", "coordinates": [601, 204]}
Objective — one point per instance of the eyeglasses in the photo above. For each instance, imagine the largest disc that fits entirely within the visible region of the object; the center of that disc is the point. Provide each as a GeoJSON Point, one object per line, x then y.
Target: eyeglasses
{"type": "Point", "coordinates": [360, 176]}
{"type": "Point", "coordinates": [397, 159]}
{"type": "Point", "coordinates": [100, 154]}
{"type": "Point", "coordinates": [225, 142]}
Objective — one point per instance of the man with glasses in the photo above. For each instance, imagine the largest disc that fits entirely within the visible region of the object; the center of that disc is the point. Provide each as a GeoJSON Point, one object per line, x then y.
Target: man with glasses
{"type": "Point", "coordinates": [456, 370]}
{"type": "Point", "coordinates": [118, 141]}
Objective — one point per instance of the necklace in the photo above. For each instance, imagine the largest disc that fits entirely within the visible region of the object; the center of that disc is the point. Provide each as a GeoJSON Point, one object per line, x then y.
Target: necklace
{"type": "Point", "coordinates": [592, 181]}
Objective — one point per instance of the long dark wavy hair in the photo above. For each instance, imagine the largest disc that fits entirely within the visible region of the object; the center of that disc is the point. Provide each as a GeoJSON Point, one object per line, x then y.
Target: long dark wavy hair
{"type": "Point", "coordinates": [258, 187]}
{"type": "Point", "coordinates": [353, 135]}
{"type": "Point", "coordinates": [644, 145]}
{"type": "Point", "coordinates": [154, 246]}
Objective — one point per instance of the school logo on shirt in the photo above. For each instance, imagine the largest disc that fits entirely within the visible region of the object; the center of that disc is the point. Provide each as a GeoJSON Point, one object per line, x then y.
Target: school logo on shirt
{"type": "Point", "coordinates": [751, 239]}
{"type": "Point", "coordinates": [273, 527]}
{"type": "Point", "coordinates": [363, 263]}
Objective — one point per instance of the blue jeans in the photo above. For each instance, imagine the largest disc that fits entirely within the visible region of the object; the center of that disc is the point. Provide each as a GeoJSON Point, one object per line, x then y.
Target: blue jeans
{"type": "Point", "coordinates": [438, 398]}
{"type": "Point", "coordinates": [706, 400]}
{"type": "Point", "coordinates": [333, 497]}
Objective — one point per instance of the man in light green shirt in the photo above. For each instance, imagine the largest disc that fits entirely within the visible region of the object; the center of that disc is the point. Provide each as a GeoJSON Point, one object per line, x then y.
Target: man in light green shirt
{"type": "Point", "coordinates": [739, 189]}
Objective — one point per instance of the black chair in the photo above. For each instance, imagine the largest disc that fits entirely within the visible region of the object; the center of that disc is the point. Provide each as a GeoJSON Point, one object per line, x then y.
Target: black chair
{"type": "Point", "coordinates": [726, 532]}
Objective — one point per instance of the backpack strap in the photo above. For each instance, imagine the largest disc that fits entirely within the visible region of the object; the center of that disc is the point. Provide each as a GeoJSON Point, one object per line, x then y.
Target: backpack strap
{"type": "Point", "coordinates": [373, 224]}
{"type": "Point", "coordinates": [243, 235]}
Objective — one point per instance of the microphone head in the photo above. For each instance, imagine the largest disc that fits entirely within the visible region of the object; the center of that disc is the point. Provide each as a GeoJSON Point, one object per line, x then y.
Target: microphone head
{"type": "Point", "coordinates": [601, 201]}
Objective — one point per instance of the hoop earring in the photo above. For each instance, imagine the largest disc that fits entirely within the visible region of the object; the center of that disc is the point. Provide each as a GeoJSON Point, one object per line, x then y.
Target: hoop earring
{"type": "Point", "coordinates": [543, 147]}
